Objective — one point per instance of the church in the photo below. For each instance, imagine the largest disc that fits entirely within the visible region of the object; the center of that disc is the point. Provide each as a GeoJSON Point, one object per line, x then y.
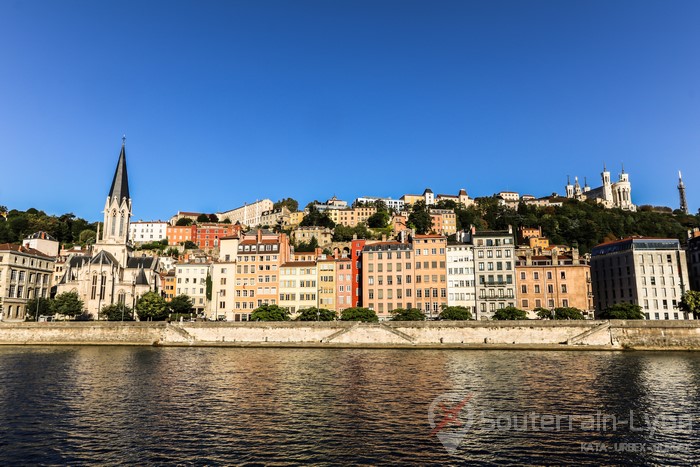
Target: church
{"type": "Point", "coordinates": [611, 195]}
{"type": "Point", "coordinates": [111, 273]}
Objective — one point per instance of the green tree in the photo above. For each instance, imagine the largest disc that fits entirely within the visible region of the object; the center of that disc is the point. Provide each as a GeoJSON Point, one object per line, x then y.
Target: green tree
{"type": "Point", "coordinates": [691, 303]}
{"type": "Point", "coordinates": [203, 218]}
{"type": "Point", "coordinates": [269, 313]}
{"type": "Point", "coordinates": [183, 222]}
{"type": "Point", "coordinates": [43, 308]}
{"type": "Point", "coordinates": [317, 314]}
{"type": "Point", "coordinates": [189, 245]}
{"type": "Point", "coordinates": [420, 219]}
{"type": "Point", "coordinates": [359, 314]}
{"type": "Point", "coordinates": [317, 218]}
{"type": "Point", "coordinates": [208, 286]}
{"type": "Point", "coordinates": [455, 313]}
{"type": "Point", "coordinates": [307, 247]}
{"type": "Point", "coordinates": [289, 203]}
{"type": "Point", "coordinates": [117, 312]}
{"type": "Point", "coordinates": [172, 251]}
{"type": "Point", "coordinates": [623, 310]}
{"type": "Point", "coordinates": [407, 314]}
{"type": "Point", "coordinates": [68, 304]}
{"type": "Point", "coordinates": [213, 218]}
{"type": "Point", "coordinates": [509, 313]}
{"type": "Point", "coordinates": [543, 313]}
{"type": "Point", "coordinates": [151, 307]}
{"type": "Point", "coordinates": [180, 304]}
{"type": "Point", "coordinates": [567, 313]}
{"type": "Point", "coordinates": [378, 220]}
{"type": "Point", "coordinates": [87, 236]}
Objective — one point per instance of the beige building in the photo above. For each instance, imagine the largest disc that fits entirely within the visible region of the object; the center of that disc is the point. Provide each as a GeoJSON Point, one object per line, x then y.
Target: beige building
{"type": "Point", "coordinates": [223, 279]}
{"type": "Point", "coordinates": [428, 197]}
{"type": "Point", "coordinates": [25, 273]}
{"type": "Point", "coordinates": [552, 279]}
{"type": "Point", "coordinates": [43, 242]}
{"type": "Point", "coordinates": [295, 218]}
{"type": "Point", "coordinates": [461, 198]}
{"type": "Point", "coordinates": [275, 217]}
{"type": "Point", "coordinates": [324, 235]}
{"type": "Point", "coordinates": [387, 277]}
{"type": "Point", "coordinates": [444, 221]}
{"type": "Point", "coordinates": [191, 280]}
{"type": "Point", "coordinates": [298, 286]}
{"type": "Point", "coordinates": [326, 282]}
{"type": "Point", "coordinates": [351, 217]}
{"type": "Point", "coordinates": [494, 257]}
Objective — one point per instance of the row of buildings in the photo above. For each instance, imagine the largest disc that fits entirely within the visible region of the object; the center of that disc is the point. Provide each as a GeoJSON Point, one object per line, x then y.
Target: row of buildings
{"type": "Point", "coordinates": [481, 270]}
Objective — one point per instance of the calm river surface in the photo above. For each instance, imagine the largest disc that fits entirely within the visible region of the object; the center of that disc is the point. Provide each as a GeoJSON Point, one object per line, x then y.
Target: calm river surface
{"type": "Point", "coordinates": [216, 406]}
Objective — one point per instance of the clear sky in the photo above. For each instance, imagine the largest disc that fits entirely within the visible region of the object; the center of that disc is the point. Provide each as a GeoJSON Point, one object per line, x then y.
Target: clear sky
{"type": "Point", "coordinates": [226, 102]}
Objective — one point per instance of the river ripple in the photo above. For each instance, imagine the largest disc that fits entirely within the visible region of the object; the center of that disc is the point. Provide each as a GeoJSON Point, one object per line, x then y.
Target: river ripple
{"type": "Point", "coordinates": [222, 406]}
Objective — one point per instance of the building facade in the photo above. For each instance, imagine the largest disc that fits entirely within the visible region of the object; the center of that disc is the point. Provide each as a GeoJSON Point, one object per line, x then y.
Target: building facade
{"type": "Point", "coordinates": [249, 215]}
{"type": "Point", "coordinates": [648, 272]}
{"type": "Point", "coordinates": [430, 270]}
{"type": "Point", "coordinates": [148, 231]}
{"type": "Point", "coordinates": [494, 257]}
{"type": "Point", "coordinates": [25, 274]}
{"type": "Point", "coordinates": [611, 195]}
{"type": "Point", "coordinates": [461, 280]}
{"type": "Point", "coordinates": [387, 277]}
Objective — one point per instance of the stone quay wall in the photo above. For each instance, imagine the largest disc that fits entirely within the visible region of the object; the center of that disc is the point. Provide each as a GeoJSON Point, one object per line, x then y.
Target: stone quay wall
{"type": "Point", "coordinates": [561, 335]}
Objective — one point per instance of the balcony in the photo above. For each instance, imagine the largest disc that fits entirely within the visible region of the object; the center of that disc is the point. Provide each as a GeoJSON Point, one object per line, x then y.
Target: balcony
{"type": "Point", "coordinates": [494, 284]}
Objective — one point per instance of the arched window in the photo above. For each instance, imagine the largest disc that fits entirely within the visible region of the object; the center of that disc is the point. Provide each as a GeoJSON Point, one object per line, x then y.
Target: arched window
{"type": "Point", "coordinates": [93, 291]}
{"type": "Point", "coordinates": [121, 297]}
{"type": "Point", "coordinates": [121, 224]}
{"type": "Point", "coordinates": [113, 221]}
{"type": "Point", "coordinates": [103, 282]}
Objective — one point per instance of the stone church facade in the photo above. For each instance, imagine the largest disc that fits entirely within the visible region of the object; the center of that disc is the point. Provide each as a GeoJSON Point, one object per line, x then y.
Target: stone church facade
{"type": "Point", "coordinates": [112, 272]}
{"type": "Point", "coordinates": [611, 195]}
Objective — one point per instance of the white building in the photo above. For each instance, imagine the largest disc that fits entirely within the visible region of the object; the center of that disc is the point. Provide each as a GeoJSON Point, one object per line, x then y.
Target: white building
{"type": "Point", "coordinates": [249, 214]}
{"type": "Point", "coordinates": [191, 280]}
{"type": "Point", "coordinates": [396, 204]}
{"type": "Point", "coordinates": [648, 272]}
{"type": "Point", "coordinates": [43, 242]}
{"type": "Point", "coordinates": [223, 277]}
{"type": "Point", "coordinates": [147, 231]}
{"type": "Point", "coordinates": [611, 195]}
{"type": "Point", "coordinates": [461, 281]}
{"type": "Point", "coordinates": [494, 257]}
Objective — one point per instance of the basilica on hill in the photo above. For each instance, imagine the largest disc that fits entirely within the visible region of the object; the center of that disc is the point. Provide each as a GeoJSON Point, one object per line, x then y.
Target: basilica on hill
{"type": "Point", "coordinates": [111, 273]}
{"type": "Point", "coordinates": [611, 195]}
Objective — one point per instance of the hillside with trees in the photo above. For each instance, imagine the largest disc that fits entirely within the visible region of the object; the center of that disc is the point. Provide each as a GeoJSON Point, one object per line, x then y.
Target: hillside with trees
{"type": "Point", "coordinates": [67, 228]}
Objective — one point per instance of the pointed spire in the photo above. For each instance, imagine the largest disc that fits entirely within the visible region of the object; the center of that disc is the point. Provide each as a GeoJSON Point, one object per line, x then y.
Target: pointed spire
{"type": "Point", "coordinates": [120, 182]}
{"type": "Point", "coordinates": [623, 167]}
{"type": "Point", "coordinates": [568, 180]}
{"type": "Point", "coordinates": [680, 177]}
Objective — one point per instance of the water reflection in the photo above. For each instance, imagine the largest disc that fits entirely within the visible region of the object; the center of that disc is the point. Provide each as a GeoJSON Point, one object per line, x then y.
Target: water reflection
{"type": "Point", "coordinates": [121, 405]}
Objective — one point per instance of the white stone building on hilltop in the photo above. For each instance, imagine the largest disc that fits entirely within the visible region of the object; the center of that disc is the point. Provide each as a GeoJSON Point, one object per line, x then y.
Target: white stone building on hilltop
{"type": "Point", "coordinates": [249, 215]}
{"type": "Point", "coordinates": [111, 273]}
{"type": "Point", "coordinates": [611, 195]}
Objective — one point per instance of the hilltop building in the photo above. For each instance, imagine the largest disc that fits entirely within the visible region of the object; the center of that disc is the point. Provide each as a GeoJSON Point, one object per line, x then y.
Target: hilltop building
{"type": "Point", "coordinates": [611, 195]}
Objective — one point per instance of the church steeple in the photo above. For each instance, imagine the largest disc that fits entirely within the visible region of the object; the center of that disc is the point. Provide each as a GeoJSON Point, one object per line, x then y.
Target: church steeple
{"type": "Point", "coordinates": [117, 211]}
{"type": "Point", "coordinates": [120, 182]}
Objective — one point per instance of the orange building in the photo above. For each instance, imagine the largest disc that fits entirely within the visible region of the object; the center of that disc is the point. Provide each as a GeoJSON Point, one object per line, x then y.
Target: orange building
{"type": "Point", "coordinates": [553, 279]}
{"type": "Point", "coordinates": [430, 272]}
{"type": "Point", "coordinates": [208, 234]}
{"type": "Point", "coordinates": [178, 234]}
{"type": "Point", "coordinates": [387, 277]}
{"type": "Point", "coordinates": [167, 280]}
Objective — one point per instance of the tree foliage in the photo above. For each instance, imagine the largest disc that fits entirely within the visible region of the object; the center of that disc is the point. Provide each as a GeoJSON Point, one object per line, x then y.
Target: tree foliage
{"type": "Point", "coordinates": [269, 313]}
{"type": "Point", "coordinates": [317, 314]}
{"type": "Point", "coordinates": [151, 307]}
{"type": "Point", "coordinates": [289, 203]}
{"type": "Point", "coordinates": [307, 247]}
{"type": "Point", "coordinates": [117, 312]}
{"type": "Point", "coordinates": [378, 220]}
{"type": "Point", "coordinates": [455, 313]}
{"type": "Point", "coordinates": [407, 314]}
{"type": "Point", "coordinates": [68, 304]}
{"type": "Point", "coordinates": [44, 307]}
{"type": "Point", "coordinates": [691, 303]}
{"type": "Point", "coordinates": [180, 304]}
{"type": "Point", "coordinates": [17, 225]}
{"type": "Point", "coordinates": [317, 218]}
{"type": "Point", "coordinates": [343, 233]}
{"type": "Point", "coordinates": [359, 314]}
{"type": "Point", "coordinates": [420, 219]}
{"type": "Point", "coordinates": [203, 218]}
{"type": "Point", "coordinates": [622, 310]}
{"type": "Point", "coordinates": [559, 313]}
{"type": "Point", "coordinates": [184, 222]}
{"type": "Point", "coordinates": [509, 313]}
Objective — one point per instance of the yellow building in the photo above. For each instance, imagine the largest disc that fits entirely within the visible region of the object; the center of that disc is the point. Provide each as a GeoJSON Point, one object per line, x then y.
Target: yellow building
{"type": "Point", "coordinates": [352, 216]}
{"type": "Point", "coordinates": [298, 286]}
{"type": "Point", "coordinates": [326, 283]}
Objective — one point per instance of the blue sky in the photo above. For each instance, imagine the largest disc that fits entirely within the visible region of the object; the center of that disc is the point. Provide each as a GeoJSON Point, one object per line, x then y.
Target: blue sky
{"type": "Point", "coordinates": [226, 102]}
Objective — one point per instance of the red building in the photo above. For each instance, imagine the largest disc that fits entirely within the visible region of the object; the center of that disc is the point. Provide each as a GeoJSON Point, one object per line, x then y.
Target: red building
{"type": "Point", "coordinates": [208, 234]}
{"type": "Point", "coordinates": [356, 247]}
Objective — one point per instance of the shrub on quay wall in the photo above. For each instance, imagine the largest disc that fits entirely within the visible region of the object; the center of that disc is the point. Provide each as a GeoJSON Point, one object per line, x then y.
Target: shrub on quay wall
{"type": "Point", "coordinates": [455, 313]}
{"type": "Point", "coordinates": [359, 314]}
{"type": "Point", "coordinates": [407, 314]}
{"type": "Point", "coordinates": [116, 312]}
{"type": "Point", "coordinates": [151, 307]}
{"type": "Point", "coordinates": [559, 313]}
{"type": "Point", "coordinates": [317, 314]}
{"type": "Point", "coordinates": [269, 313]}
{"type": "Point", "coordinates": [623, 311]}
{"type": "Point", "coordinates": [509, 313]}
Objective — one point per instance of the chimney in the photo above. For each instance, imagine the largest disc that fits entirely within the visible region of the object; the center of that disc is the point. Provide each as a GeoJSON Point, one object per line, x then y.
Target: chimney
{"type": "Point", "coordinates": [384, 237]}
{"type": "Point", "coordinates": [259, 236]}
{"type": "Point", "coordinates": [574, 255]}
{"type": "Point", "coordinates": [528, 257]}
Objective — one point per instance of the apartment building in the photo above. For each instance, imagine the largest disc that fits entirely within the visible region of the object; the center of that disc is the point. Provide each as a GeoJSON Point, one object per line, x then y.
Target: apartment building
{"type": "Point", "coordinates": [494, 252]}
{"type": "Point", "coordinates": [323, 235]}
{"type": "Point", "coordinates": [207, 234]}
{"type": "Point", "coordinates": [344, 283]}
{"type": "Point", "coordinates": [387, 278]}
{"type": "Point", "coordinates": [259, 258]}
{"type": "Point", "coordinates": [148, 231]}
{"type": "Point", "coordinates": [298, 286]}
{"type": "Point", "coordinates": [461, 279]}
{"type": "Point", "coordinates": [430, 273]}
{"type": "Point", "coordinates": [327, 276]}
{"type": "Point", "coordinates": [396, 205]}
{"type": "Point", "coordinates": [552, 278]}
{"type": "Point", "coordinates": [351, 217]}
{"type": "Point", "coordinates": [249, 214]}
{"type": "Point", "coordinates": [444, 221]}
{"type": "Point", "coordinates": [25, 273]}
{"type": "Point", "coordinates": [649, 272]}
{"type": "Point", "coordinates": [191, 280]}
{"type": "Point", "coordinates": [168, 283]}
{"type": "Point", "coordinates": [178, 234]}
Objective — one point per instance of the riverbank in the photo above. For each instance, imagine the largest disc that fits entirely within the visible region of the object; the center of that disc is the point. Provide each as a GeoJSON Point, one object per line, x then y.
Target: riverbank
{"type": "Point", "coordinates": [530, 335]}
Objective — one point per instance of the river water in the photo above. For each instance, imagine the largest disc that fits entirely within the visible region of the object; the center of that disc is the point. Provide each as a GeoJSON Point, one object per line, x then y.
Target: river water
{"type": "Point", "coordinates": [222, 406]}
